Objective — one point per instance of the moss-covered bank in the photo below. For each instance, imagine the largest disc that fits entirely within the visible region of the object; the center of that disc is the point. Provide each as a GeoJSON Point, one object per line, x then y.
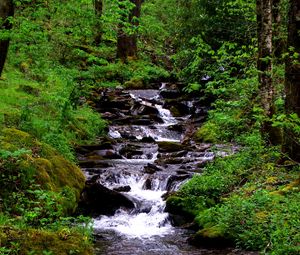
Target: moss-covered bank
{"type": "Point", "coordinates": [38, 189]}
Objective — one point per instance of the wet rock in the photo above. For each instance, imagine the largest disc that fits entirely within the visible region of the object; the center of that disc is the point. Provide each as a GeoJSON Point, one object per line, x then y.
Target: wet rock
{"type": "Point", "coordinates": [104, 145]}
{"type": "Point", "coordinates": [148, 139]}
{"type": "Point", "coordinates": [170, 93]}
{"type": "Point", "coordinates": [104, 154]}
{"type": "Point", "coordinates": [151, 168]}
{"type": "Point", "coordinates": [131, 151]}
{"type": "Point", "coordinates": [147, 184]}
{"type": "Point", "coordinates": [147, 110]}
{"type": "Point", "coordinates": [98, 200]}
{"type": "Point", "coordinates": [87, 163]}
{"type": "Point", "coordinates": [142, 121]}
{"type": "Point", "coordinates": [156, 118]}
{"type": "Point", "coordinates": [174, 179]}
{"type": "Point", "coordinates": [170, 146]}
{"type": "Point", "coordinates": [177, 108]}
{"type": "Point", "coordinates": [122, 189]}
{"type": "Point", "coordinates": [176, 127]}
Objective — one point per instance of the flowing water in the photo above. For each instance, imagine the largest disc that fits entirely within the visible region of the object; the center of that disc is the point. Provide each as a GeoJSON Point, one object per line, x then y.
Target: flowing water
{"type": "Point", "coordinates": [139, 123]}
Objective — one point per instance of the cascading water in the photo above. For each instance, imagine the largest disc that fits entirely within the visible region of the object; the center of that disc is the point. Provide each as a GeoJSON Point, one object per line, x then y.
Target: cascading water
{"type": "Point", "coordinates": [142, 167]}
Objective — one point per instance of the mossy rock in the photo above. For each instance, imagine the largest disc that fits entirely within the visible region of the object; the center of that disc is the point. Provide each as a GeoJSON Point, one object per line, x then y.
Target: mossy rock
{"type": "Point", "coordinates": [211, 237]}
{"type": "Point", "coordinates": [175, 111]}
{"type": "Point", "coordinates": [177, 206]}
{"type": "Point", "coordinates": [207, 133]}
{"type": "Point", "coordinates": [64, 241]}
{"type": "Point", "coordinates": [48, 168]}
{"type": "Point", "coordinates": [170, 146]}
{"type": "Point", "coordinates": [134, 83]}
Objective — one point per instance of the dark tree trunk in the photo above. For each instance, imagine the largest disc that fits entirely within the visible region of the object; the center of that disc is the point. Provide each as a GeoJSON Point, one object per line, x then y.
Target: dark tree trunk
{"type": "Point", "coordinates": [292, 79]}
{"type": "Point", "coordinates": [264, 62]}
{"type": "Point", "coordinates": [127, 44]}
{"type": "Point", "coordinates": [278, 41]}
{"type": "Point", "coordinates": [98, 6]}
{"type": "Point", "coordinates": [6, 11]}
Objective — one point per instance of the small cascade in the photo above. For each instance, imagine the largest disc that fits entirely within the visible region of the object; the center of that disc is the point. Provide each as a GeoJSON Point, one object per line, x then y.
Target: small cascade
{"type": "Point", "coordinates": [145, 161]}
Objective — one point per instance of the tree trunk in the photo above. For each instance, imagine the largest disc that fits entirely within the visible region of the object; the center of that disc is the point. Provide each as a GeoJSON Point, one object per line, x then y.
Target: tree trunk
{"type": "Point", "coordinates": [292, 78]}
{"type": "Point", "coordinates": [278, 41]}
{"type": "Point", "coordinates": [98, 6]}
{"type": "Point", "coordinates": [127, 44]}
{"type": "Point", "coordinates": [264, 61]}
{"type": "Point", "coordinates": [6, 11]}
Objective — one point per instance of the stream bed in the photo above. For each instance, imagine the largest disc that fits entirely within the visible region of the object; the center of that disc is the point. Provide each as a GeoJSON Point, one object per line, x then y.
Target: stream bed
{"type": "Point", "coordinates": [148, 154]}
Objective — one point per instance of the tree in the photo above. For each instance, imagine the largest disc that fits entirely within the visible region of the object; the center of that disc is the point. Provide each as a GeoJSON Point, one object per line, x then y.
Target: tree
{"type": "Point", "coordinates": [292, 79]}
{"type": "Point", "coordinates": [264, 61]}
{"type": "Point", "coordinates": [98, 6]}
{"type": "Point", "coordinates": [6, 11]}
{"type": "Point", "coordinates": [127, 43]}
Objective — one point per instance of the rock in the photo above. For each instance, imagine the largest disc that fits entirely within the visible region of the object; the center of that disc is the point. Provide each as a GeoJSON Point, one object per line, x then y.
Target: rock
{"type": "Point", "coordinates": [104, 154]}
{"type": "Point", "coordinates": [170, 93]}
{"type": "Point", "coordinates": [151, 168]}
{"type": "Point", "coordinates": [177, 211]}
{"type": "Point", "coordinates": [210, 237]}
{"type": "Point", "coordinates": [176, 127]}
{"type": "Point", "coordinates": [98, 200]}
{"type": "Point", "coordinates": [147, 110]}
{"type": "Point", "coordinates": [122, 189]}
{"type": "Point", "coordinates": [105, 145]}
{"type": "Point", "coordinates": [130, 151]}
{"type": "Point", "coordinates": [170, 146]}
{"type": "Point", "coordinates": [135, 83]}
{"type": "Point", "coordinates": [148, 139]}
{"type": "Point", "coordinates": [175, 179]}
{"type": "Point", "coordinates": [148, 184]}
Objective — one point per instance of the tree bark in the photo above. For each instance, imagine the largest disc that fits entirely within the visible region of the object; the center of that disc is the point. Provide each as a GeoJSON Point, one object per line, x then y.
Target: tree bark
{"type": "Point", "coordinates": [264, 61]}
{"type": "Point", "coordinates": [98, 6]}
{"type": "Point", "coordinates": [6, 11]}
{"type": "Point", "coordinates": [127, 44]}
{"type": "Point", "coordinates": [292, 78]}
{"type": "Point", "coordinates": [278, 41]}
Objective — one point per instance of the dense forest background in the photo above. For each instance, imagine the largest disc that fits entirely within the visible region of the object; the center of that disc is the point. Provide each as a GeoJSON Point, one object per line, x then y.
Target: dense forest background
{"type": "Point", "coordinates": [240, 57]}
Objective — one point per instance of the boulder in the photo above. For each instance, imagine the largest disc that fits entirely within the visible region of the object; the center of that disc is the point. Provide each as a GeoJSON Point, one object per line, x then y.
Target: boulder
{"type": "Point", "coordinates": [151, 168]}
{"type": "Point", "coordinates": [98, 200]}
{"type": "Point", "coordinates": [210, 237]}
{"type": "Point", "coordinates": [170, 146]}
{"type": "Point", "coordinates": [122, 189]}
{"type": "Point", "coordinates": [148, 139]}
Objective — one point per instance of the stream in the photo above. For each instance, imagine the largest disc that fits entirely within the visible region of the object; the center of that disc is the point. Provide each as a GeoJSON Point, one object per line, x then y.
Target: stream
{"type": "Point", "coordinates": [148, 154]}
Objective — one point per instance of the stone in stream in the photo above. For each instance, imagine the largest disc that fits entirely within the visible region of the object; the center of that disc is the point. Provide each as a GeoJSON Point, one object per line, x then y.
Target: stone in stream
{"type": "Point", "coordinates": [122, 189]}
{"type": "Point", "coordinates": [170, 146]}
{"type": "Point", "coordinates": [174, 179]}
{"type": "Point", "coordinates": [98, 200]}
{"type": "Point", "coordinates": [170, 93]}
{"type": "Point", "coordinates": [103, 154]}
{"type": "Point", "coordinates": [129, 151]}
{"type": "Point", "coordinates": [148, 139]}
{"type": "Point", "coordinates": [152, 168]}
{"type": "Point", "coordinates": [147, 184]}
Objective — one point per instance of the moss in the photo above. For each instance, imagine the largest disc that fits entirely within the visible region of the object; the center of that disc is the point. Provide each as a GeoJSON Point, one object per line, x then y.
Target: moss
{"type": "Point", "coordinates": [51, 171]}
{"type": "Point", "coordinates": [134, 83]}
{"type": "Point", "coordinates": [180, 206]}
{"type": "Point", "coordinates": [64, 241]}
{"type": "Point", "coordinates": [175, 111]}
{"type": "Point", "coordinates": [207, 133]}
{"type": "Point", "coordinates": [170, 146]}
{"type": "Point", "coordinates": [210, 237]}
